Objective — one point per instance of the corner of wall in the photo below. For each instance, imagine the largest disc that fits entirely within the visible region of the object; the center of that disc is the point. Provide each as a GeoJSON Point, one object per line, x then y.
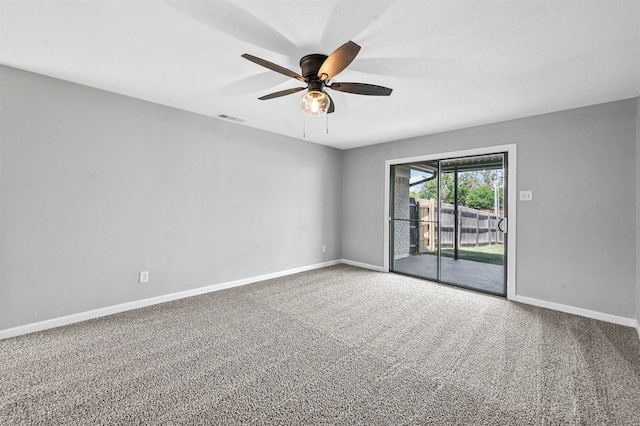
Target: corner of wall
{"type": "Point", "coordinates": [638, 215]}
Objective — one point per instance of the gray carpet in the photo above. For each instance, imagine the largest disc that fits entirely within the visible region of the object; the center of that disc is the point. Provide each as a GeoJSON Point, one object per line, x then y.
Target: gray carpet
{"type": "Point", "coordinates": [338, 345]}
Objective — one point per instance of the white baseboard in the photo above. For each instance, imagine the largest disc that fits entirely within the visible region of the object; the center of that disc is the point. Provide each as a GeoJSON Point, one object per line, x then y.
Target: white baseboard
{"type": "Point", "coordinates": [109, 310]}
{"type": "Point", "coordinates": [629, 322]}
{"type": "Point", "coordinates": [363, 265]}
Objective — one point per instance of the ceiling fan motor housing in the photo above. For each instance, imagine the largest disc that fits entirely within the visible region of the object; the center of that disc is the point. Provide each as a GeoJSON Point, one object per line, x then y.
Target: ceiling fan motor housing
{"type": "Point", "coordinates": [310, 65]}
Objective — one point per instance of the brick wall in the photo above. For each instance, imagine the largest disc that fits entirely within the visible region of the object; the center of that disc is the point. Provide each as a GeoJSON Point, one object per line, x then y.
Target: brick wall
{"type": "Point", "coordinates": [401, 231]}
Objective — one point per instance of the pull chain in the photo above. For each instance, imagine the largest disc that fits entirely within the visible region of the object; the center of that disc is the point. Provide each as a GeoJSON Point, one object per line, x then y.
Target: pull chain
{"type": "Point", "coordinates": [304, 126]}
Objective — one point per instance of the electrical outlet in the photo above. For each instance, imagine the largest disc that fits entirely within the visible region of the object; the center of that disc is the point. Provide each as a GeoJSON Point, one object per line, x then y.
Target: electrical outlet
{"type": "Point", "coordinates": [526, 195]}
{"type": "Point", "coordinates": [324, 249]}
{"type": "Point", "coordinates": [143, 277]}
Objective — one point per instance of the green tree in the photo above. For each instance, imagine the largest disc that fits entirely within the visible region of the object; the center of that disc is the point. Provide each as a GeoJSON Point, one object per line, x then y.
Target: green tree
{"type": "Point", "coordinates": [481, 197]}
{"type": "Point", "coordinates": [475, 189]}
{"type": "Point", "coordinates": [429, 190]}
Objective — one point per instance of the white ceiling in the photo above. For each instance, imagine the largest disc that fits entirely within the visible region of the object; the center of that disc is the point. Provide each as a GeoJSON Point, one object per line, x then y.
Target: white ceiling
{"type": "Point", "coordinates": [452, 64]}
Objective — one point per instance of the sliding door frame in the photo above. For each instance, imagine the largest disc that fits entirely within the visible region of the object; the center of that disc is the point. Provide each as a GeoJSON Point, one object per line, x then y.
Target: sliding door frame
{"type": "Point", "coordinates": [510, 153]}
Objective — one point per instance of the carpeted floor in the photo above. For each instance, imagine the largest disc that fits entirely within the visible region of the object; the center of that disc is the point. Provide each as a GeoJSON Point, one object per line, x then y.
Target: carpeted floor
{"type": "Point", "coordinates": [338, 345]}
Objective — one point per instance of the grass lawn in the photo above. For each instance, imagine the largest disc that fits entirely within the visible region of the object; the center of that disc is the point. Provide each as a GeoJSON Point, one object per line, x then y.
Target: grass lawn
{"type": "Point", "coordinates": [493, 254]}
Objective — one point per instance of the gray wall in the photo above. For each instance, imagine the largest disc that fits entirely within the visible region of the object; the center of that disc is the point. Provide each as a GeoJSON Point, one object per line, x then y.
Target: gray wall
{"type": "Point", "coordinates": [96, 187]}
{"type": "Point", "coordinates": [575, 241]}
{"type": "Point", "coordinates": [638, 212]}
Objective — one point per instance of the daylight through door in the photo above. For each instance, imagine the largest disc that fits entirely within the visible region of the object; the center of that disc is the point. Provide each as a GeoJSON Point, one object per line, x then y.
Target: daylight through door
{"type": "Point", "coordinates": [448, 221]}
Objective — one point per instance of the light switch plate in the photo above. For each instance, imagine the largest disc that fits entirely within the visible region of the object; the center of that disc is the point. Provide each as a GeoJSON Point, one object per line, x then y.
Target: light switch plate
{"type": "Point", "coordinates": [526, 195]}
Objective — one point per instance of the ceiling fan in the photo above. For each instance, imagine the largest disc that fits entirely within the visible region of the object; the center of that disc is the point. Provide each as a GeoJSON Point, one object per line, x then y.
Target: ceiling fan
{"type": "Point", "coordinates": [317, 72]}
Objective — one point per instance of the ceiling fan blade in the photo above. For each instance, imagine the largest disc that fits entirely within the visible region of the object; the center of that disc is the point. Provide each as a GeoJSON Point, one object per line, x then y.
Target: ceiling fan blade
{"type": "Point", "coordinates": [361, 89]}
{"type": "Point", "coordinates": [281, 93]}
{"type": "Point", "coordinates": [338, 61]}
{"type": "Point", "coordinates": [273, 67]}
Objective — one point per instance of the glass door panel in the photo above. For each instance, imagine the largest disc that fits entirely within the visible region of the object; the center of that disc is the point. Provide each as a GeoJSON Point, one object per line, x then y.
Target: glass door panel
{"type": "Point", "coordinates": [472, 206]}
{"type": "Point", "coordinates": [414, 226]}
{"type": "Point", "coordinates": [447, 221]}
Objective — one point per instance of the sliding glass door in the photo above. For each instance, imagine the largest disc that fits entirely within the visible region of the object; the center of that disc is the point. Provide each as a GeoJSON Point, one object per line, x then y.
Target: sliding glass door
{"type": "Point", "coordinates": [448, 219]}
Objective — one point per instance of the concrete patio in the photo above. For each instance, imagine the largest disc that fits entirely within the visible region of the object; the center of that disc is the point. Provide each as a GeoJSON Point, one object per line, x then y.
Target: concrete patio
{"type": "Point", "coordinates": [473, 275]}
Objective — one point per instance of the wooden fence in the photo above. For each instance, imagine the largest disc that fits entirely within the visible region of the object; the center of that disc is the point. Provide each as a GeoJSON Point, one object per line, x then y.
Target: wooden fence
{"type": "Point", "coordinates": [475, 227]}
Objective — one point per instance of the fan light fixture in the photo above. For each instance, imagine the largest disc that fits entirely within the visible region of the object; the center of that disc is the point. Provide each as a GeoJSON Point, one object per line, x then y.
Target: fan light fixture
{"type": "Point", "coordinates": [315, 103]}
{"type": "Point", "coordinates": [317, 71]}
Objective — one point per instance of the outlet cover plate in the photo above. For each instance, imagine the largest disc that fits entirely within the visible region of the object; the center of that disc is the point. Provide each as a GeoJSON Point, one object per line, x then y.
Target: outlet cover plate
{"type": "Point", "coordinates": [526, 195]}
